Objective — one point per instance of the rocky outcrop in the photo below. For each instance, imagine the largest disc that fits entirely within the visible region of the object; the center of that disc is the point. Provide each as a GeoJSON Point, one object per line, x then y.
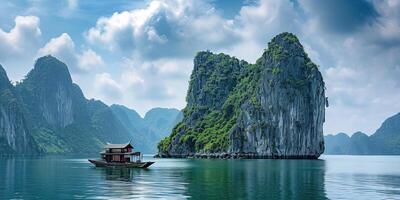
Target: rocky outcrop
{"type": "Point", "coordinates": [288, 120]}
{"type": "Point", "coordinates": [15, 136]}
{"type": "Point", "coordinates": [48, 88]}
{"type": "Point", "coordinates": [274, 108]}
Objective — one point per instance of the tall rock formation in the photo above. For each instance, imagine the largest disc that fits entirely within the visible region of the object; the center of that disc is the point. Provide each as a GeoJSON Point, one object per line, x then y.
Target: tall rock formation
{"type": "Point", "coordinates": [48, 90]}
{"type": "Point", "coordinates": [59, 117]}
{"type": "Point", "coordinates": [15, 137]}
{"type": "Point", "coordinates": [274, 108]}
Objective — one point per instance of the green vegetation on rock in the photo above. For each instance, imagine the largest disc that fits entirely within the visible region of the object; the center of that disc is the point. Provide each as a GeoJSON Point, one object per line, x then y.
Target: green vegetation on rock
{"type": "Point", "coordinates": [222, 88]}
{"type": "Point", "coordinates": [229, 82]}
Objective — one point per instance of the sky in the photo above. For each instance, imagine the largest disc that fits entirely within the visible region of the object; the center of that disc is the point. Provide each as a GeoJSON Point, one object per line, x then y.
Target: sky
{"type": "Point", "coordinates": [140, 53]}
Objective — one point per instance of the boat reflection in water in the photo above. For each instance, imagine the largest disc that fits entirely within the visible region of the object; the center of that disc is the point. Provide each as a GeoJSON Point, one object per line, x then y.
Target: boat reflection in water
{"type": "Point", "coordinates": [129, 183]}
{"type": "Point", "coordinates": [117, 174]}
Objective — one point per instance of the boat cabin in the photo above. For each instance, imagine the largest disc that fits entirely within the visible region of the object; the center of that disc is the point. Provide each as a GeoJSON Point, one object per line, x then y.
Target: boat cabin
{"type": "Point", "coordinates": [120, 153]}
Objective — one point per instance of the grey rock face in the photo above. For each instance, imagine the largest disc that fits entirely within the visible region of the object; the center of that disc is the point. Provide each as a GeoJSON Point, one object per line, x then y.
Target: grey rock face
{"type": "Point", "coordinates": [274, 108]}
{"type": "Point", "coordinates": [13, 130]}
{"type": "Point", "coordinates": [48, 113]}
{"type": "Point", "coordinates": [14, 135]}
{"type": "Point", "coordinates": [55, 91]}
{"type": "Point", "coordinates": [289, 120]}
{"type": "Point", "coordinates": [57, 109]}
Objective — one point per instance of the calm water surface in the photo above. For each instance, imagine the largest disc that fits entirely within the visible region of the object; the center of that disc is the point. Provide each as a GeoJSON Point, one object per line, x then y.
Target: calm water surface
{"type": "Point", "coordinates": [331, 177]}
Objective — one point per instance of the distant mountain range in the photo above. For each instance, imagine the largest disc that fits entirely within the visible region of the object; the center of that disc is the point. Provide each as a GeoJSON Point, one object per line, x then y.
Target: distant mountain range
{"type": "Point", "coordinates": [385, 141]}
{"type": "Point", "coordinates": [148, 131]}
{"type": "Point", "coordinates": [47, 113]}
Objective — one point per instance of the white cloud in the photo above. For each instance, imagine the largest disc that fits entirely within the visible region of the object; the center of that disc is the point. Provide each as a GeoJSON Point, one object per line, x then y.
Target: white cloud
{"type": "Point", "coordinates": [158, 42]}
{"type": "Point", "coordinates": [162, 38]}
{"type": "Point", "coordinates": [144, 85]}
{"type": "Point", "coordinates": [257, 23]}
{"type": "Point", "coordinates": [72, 4]}
{"type": "Point", "coordinates": [89, 59]}
{"type": "Point", "coordinates": [161, 80]}
{"type": "Point", "coordinates": [163, 29]}
{"type": "Point", "coordinates": [359, 59]}
{"type": "Point", "coordinates": [181, 28]}
{"type": "Point", "coordinates": [388, 27]}
{"type": "Point", "coordinates": [152, 36]}
{"type": "Point", "coordinates": [121, 27]}
{"type": "Point", "coordinates": [21, 39]}
{"type": "Point", "coordinates": [63, 48]}
{"type": "Point", "coordinates": [107, 87]}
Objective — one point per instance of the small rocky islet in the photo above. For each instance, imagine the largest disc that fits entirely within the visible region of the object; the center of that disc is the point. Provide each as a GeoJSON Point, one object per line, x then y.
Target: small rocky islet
{"type": "Point", "coordinates": [274, 108]}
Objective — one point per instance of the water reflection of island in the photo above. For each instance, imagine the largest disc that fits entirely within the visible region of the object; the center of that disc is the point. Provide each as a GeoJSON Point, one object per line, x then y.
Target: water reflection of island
{"type": "Point", "coordinates": [257, 179]}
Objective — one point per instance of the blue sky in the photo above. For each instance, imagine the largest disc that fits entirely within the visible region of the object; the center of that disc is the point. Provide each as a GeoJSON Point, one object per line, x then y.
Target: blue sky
{"type": "Point", "coordinates": [139, 53]}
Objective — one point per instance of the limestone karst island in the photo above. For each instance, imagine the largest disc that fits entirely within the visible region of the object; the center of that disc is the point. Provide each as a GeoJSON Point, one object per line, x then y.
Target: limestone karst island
{"type": "Point", "coordinates": [200, 99]}
{"type": "Point", "coordinates": [274, 108]}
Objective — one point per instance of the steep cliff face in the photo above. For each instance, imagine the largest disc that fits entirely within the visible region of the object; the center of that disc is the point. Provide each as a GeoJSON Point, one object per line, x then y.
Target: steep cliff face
{"type": "Point", "coordinates": [287, 119]}
{"type": "Point", "coordinates": [60, 118]}
{"type": "Point", "coordinates": [47, 113]}
{"type": "Point", "coordinates": [47, 89]}
{"type": "Point", "coordinates": [274, 108]}
{"type": "Point", "coordinates": [207, 116]}
{"type": "Point", "coordinates": [15, 136]}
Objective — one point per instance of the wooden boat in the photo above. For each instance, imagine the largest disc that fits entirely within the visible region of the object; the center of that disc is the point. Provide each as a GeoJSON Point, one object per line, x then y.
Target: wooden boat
{"type": "Point", "coordinates": [120, 155]}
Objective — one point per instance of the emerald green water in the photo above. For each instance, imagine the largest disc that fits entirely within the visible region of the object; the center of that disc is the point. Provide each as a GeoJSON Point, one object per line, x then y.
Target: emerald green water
{"type": "Point", "coordinates": [331, 177]}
